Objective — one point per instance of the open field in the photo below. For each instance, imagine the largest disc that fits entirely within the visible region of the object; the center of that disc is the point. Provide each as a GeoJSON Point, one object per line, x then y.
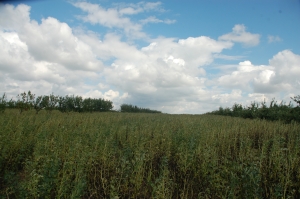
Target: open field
{"type": "Point", "coordinates": [123, 155]}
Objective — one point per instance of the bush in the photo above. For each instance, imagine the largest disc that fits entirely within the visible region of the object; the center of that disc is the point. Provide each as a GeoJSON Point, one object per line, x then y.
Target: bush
{"type": "Point", "coordinates": [273, 112]}
{"type": "Point", "coordinates": [26, 101]}
{"type": "Point", "coordinates": [3, 103]}
{"type": "Point", "coordinates": [134, 109]}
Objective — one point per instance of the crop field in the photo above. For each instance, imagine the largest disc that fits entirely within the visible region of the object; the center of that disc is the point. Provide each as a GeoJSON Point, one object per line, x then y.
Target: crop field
{"type": "Point", "coordinates": [139, 155]}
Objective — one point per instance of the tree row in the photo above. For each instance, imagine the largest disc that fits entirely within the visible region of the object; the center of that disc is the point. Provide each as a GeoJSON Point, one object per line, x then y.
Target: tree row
{"type": "Point", "coordinates": [275, 111]}
{"type": "Point", "coordinates": [27, 101]}
{"type": "Point", "coordinates": [134, 109]}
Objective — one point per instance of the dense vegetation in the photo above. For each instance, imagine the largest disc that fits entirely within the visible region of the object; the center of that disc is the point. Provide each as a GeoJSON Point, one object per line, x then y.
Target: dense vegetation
{"type": "Point", "coordinates": [123, 155]}
{"type": "Point", "coordinates": [275, 111]}
{"type": "Point", "coordinates": [27, 101]}
{"type": "Point", "coordinates": [134, 109]}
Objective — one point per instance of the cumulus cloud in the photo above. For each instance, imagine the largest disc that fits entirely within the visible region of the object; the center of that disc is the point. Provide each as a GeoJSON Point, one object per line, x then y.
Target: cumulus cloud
{"type": "Point", "coordinates": [165, 63]}
{"type": "Point", "coordinates": [242, 77]}
{"type": "Point", "coordinates": [166, 74]}
{"type": "Point", "coordinates": [111, 18]}
{"type": "Point", "coordinates": [240, 35]}
{"type": "Point", "coordinates": [167, 71]}
{"type": "Point", "coordinates": [111, 95]}
{"type": "Point", "coordinates": [40, 56]}
{"type": "Point", "coordinates": [17, 16]}
{"type": "Point", "coordinates": [280, 77]}
{"type": "Point", "coordinates": [51, 41]}
{"type": "Point", "coordinates": [227, 98]}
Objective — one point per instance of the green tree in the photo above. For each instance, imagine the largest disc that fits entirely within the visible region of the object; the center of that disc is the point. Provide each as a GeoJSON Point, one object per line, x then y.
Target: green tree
{"type": "Point", "coordinates": [25, 101]}
{"type": "Point", "coordinates": [135, 109]}
{"type": "Point", "coordinates": [78, 104]}
{"type": "Point", "coordinates": [38, 105]}
{"type": "Point", "coordinates": [296, 99]}
{"type": "Point", "coordinates": [3, 103]}
{"type": "Point", "coordinates": [62, 106]}
{"type": "Point", "coordinates": [52, 102]}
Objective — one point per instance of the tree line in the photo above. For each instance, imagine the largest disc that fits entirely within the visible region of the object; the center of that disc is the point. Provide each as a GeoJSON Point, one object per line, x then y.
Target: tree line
{"type": "Point", "coordinates": [28, 101]}
{"type": "Point", "coordinates": [275, 111]}
{"type": "Point", "coordinates": [134, 109]}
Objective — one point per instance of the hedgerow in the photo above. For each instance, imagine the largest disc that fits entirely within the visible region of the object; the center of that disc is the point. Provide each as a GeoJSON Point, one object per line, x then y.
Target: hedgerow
{"type": "Point", "coordinates": [134, 109]}
{"type": "Point", "coordinates": [28, 101]}
{"type": "Point", "coordinates": [69, 103]}
{"type": "Point", "coordinates": [275, 111]}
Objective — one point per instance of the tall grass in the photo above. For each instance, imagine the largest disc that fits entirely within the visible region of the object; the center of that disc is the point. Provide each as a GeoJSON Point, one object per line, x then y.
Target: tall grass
{"type": "Point", "coordinates": [125, 155]}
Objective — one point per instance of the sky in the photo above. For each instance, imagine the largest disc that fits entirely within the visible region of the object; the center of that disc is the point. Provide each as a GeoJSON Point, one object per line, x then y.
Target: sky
{"type": "Point", "coordinates": [175, 56]}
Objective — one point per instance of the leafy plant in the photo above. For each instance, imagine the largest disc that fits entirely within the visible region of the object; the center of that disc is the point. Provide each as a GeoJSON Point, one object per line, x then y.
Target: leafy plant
{"type": "Point", "coordinates": [3, 103]}
{"type": "Point", "coordinates": [25, 101]}
{"type": "Point", "coordinates": [135, 109]}
{"type": "Point", "coordinates": [275, 111]}
{"type": "Point", "coordinates": [111, 155]}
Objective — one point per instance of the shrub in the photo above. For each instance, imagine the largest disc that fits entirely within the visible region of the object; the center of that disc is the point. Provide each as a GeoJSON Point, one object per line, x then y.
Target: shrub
{"type": "Point", "coordinates": [3, 103]}
{"type": "Point", "coordinates": [134, 109]}
{"type": "Point", "coordinates": [275, 111]}
{"type": "Point", "coordinates": [25, 101]}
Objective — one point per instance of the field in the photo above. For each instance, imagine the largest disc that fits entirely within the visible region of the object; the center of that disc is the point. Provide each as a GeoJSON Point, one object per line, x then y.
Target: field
{"type": "Point", "coordinates": [128, 155]}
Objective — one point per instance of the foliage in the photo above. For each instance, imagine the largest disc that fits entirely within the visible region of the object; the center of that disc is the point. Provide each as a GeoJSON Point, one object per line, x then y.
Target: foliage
{"type": "Point", "coordinates": [296, 99]}
{"type": "Point", "coordinates": [27, 101]}
{"type": "Point", "coordinates": [11, 104]}
{"type": "Point", "coordinates": [134, 109]}
{"type": "Point", "coordinates": [123, 155]}
{"type": "Point", "coordinates": [275, 111]}
{"type": "Point", "coordinates": [3, 103]}
{"type": "Point", "coordinates": [101, 105]}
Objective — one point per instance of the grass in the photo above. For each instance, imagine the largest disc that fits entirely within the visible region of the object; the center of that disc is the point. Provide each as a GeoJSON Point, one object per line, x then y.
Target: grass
{"type": "Point", "coordinates": [126, 155]}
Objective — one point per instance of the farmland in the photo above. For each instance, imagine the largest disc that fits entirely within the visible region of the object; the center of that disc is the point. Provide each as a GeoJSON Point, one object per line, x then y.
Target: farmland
{"type": "Point", "coordinates": [139, 155]}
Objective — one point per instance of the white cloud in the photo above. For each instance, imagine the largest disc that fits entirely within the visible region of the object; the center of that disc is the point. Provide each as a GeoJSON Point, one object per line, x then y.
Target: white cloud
{"type": "Point", "coordinates": [12, 18]}
{"type": "Point", "coordinates": [240, 35]}
{"type": "Point", "coordinates": [111, 18]}
{"type": "Point", "coordinates": [152, 6]}
{"type": "Point", "coordinates": [131, 8]}
{"type": "Point", "coordinates": [153, 19]}
{"type": "Point", "coordinates": [110, 94]}
{"type": "Point", "coordinates": [40, 56]}
{"type": "Point", "coordinates": [130, 11]}
{"type": "Point", "coordinates": [280, 76]}
{"type": "Point", "coordinates": [51, 41]}
{"type": "Point", "coordinates": [242, 77]}
{"type": "Point", "coordinates": [228, 98]}
{"type": "Point", "coordinates": [166, 74]}
{"type": "Point", "coordinates": [283, 74]}
{"type": "Point", "coordinates": [115, 17]}
{"type": "Point", "coordinates": [273, 39]}
{"type": "Point", "coordinates": [228, 57]}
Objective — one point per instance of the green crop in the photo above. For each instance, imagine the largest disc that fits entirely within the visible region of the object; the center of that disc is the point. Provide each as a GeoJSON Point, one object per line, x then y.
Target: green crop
{"type": "Point", "coordinates": [127, 155]}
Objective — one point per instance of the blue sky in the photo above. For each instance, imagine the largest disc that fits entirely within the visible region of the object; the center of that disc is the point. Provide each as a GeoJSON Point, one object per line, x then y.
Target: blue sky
{"type": "Point", "coordinates": [174, 56]}
{"type": "Point", "coordinates": [197, 18]}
